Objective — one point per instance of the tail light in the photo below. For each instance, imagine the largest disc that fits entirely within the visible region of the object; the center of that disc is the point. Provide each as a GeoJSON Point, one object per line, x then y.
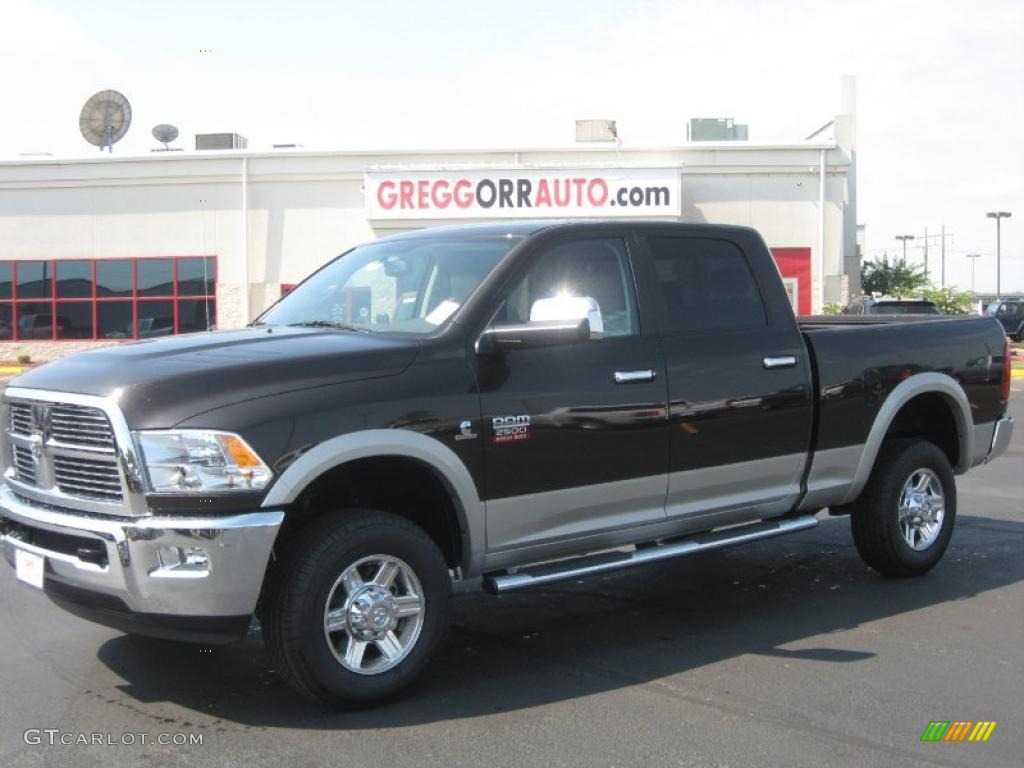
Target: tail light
{"type": "Point", "coordinates": [1004, 391]}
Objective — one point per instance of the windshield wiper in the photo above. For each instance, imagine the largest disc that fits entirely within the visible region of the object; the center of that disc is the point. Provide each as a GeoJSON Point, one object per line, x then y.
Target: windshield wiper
{"type": "Point", "coordinates": [326, 324]}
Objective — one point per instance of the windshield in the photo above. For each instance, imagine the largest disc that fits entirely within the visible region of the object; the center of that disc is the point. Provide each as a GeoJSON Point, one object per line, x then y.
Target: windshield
{"type": "Point", "coordinates": [406, 286]}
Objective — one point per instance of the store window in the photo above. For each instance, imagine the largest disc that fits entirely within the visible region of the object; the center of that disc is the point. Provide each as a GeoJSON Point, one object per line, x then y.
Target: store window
{"type": "Point", "coordinates": [85, 299]}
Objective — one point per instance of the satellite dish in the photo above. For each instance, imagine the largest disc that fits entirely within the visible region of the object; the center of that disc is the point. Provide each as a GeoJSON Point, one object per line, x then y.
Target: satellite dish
{"type": "Point", "coordinates": [165, 133]}
{"type": "Point", "coordinates": [105, 119]}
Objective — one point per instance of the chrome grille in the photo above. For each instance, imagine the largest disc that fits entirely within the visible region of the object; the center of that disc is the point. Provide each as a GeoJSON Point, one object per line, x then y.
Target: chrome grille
{"type": "Point", "coordinates": [88, 478]}
{"type": "Point", "coordinates": [78, 425]}
{"type": "Point", "coordinates": [64, 450]}
{"type": "Point", "coordinates": [21, 418]}
{"type": "Point", "coordinates": [24, 464]}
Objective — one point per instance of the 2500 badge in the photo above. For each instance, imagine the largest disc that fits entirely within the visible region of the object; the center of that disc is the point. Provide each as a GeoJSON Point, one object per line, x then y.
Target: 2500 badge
{"type": "Point", "coordinates": [510, 429]}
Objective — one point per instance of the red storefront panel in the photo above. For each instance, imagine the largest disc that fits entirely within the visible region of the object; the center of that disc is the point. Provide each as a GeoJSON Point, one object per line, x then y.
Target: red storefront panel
{"type": "Point", "coordinates": [795, 267]}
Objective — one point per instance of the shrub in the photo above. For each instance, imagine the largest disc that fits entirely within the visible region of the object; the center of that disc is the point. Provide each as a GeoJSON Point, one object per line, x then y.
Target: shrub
{"type": "Point", "coordinates": [24, 359]}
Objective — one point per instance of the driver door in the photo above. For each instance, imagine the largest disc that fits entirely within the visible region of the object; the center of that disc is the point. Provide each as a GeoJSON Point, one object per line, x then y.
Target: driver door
{"type": "Point", "coordinates": [576, 434]}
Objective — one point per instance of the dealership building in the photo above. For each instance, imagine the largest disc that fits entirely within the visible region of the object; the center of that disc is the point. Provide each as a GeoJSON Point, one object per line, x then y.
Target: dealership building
{"type": "Point", "coordinates": [100, 250]}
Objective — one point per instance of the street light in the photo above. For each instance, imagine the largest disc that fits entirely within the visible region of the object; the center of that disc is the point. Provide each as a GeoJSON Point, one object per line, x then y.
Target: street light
{"type": "Point", "coordinates": [972, 257]}
{"type": "Point", "coordinates": [998, 216]}
{"type": "Point", "coordinates": [904, 238]}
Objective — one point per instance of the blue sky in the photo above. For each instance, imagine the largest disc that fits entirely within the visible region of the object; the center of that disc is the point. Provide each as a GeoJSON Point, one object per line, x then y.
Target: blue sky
{"type": "Point", "coordinates": [939, 84]}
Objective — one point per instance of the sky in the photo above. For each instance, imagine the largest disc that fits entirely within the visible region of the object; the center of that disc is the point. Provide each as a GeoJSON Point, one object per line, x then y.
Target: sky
{"type": "Point", "coordinates": [940, 86]}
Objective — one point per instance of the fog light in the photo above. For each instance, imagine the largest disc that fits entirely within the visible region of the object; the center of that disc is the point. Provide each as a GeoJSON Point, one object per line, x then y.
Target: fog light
{"type": "Point", "coordinates": [182, 563]}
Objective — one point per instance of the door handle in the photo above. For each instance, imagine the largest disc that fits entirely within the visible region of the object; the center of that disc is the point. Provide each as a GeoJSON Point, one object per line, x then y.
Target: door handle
{"type": "Point", "coordinates": [629, 377]}
{"type": "Point", "coordinates": [780, 361]}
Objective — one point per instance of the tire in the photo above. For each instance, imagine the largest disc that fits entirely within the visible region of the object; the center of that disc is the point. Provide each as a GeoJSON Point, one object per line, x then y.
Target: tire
{"type": "Point", "coordinates": [307, 584]}
{"type": "Point", "coordinates": [875, 517]}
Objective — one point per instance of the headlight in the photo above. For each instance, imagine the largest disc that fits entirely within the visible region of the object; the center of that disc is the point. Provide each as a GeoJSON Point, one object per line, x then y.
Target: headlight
{"type": "Point", "coordinates": [200, 461]}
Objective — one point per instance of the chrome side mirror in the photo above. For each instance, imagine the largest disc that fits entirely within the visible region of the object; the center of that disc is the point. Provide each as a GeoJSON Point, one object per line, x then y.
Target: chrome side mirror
{"type": "Point", "coordinates": [569, 309]}
{"type": "Point", "coordinates": [555, 321]}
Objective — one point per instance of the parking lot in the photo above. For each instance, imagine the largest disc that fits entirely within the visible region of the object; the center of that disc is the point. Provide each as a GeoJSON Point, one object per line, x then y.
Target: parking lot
{"type": "Point", "coordinates": [789, 652]}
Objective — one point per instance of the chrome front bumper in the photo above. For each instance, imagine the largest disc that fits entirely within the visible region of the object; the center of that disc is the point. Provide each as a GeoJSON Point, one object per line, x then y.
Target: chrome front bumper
{"type": "Point", "coordinates": [166, 566]}
{"type": "Point", "coordinates": [1001, 437]}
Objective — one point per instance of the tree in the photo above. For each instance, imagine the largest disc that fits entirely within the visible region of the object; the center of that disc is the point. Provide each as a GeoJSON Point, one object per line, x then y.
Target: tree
{"type": "Point", "coordinates": [893, 278]}
{"type": "Point", "coordinates": [950, 301]}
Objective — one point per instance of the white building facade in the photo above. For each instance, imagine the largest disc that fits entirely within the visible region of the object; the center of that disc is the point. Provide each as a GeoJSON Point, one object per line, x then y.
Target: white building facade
{"type": "Point", "coordinates": [100, 250]}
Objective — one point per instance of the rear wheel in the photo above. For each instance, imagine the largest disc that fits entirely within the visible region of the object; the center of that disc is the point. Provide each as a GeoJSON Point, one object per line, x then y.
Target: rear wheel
{"type": "Point", "coordinates": [903, 520]}
{"type": "Point", "coordinates": [356, 607]}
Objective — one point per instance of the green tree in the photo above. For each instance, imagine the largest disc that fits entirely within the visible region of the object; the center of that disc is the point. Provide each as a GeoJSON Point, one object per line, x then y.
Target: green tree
{"type": "Point", "coordinates": [892, 278]}
{"type": "Point", "coordinates": [950, 301]}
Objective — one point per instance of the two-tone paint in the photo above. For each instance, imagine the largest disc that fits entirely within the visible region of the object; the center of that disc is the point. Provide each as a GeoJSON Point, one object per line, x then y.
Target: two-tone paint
{"type": "Point", "coordinates": [630, 440]}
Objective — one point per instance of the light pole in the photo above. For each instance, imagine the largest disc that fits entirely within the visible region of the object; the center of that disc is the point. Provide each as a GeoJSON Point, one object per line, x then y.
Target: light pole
{"type": "Point", "coordinates": [904, 238]}
{"type": "Point", "coordinates": [973, 257]}
{"type": "Point", "coordinates": [998, 216]}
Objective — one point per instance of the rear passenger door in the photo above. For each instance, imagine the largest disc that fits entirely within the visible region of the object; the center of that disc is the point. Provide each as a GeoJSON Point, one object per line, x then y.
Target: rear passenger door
{"type": "Point", "coordinates": [738, 377]}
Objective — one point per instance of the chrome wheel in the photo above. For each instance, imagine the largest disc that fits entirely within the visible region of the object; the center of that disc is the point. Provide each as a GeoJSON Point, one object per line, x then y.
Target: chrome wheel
{"type": "Point", "coordinates": [922, 508]}
{"type": "Point", "coordinates": [374, 614]}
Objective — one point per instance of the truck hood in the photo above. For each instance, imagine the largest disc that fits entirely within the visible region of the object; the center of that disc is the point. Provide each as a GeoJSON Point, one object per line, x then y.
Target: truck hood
{"type": "Point", "coordinates": [161, 382]}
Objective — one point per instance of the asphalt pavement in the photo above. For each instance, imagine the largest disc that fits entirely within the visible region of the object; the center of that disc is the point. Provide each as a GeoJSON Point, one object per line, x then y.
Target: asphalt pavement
{"type": "Point", "coordinates": [785, 653]}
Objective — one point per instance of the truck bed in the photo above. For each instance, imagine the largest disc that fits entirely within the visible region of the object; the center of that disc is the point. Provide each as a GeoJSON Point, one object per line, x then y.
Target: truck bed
{"type": "Point", "coordinates": [859, 360]}
{"type": "Point", "coordinates": [814, 322]}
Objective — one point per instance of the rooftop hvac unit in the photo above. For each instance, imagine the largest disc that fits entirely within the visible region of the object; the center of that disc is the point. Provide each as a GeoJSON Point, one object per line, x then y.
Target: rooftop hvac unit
{"type": "Point", "coordinates": [596, 130]}
{"type": "Point", "coordinates": [715, 129]}
{"type": "Point", "coordinates": [221, 141]}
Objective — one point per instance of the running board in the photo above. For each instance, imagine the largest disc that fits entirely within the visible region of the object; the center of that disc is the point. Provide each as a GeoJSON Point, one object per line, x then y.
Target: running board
{"type": "Point", "coordinates": [577, 567]}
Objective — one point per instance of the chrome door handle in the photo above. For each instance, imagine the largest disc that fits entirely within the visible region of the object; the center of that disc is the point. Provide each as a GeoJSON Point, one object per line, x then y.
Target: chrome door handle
{"type": "Point", "coordinates": [781, 361]}
{"type": "Point", "coordinates": [629, 377]}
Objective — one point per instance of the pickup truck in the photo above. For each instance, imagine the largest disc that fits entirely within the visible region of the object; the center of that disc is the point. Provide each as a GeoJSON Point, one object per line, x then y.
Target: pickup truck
{"type": "Point", "coordinates": [1010, 315]}
{"type": "Point", "coordinates": [502, 405]}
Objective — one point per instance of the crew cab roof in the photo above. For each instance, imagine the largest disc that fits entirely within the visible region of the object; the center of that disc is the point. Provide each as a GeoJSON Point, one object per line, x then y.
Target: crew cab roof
{"type": "Point", "coordinates": [528, 227]}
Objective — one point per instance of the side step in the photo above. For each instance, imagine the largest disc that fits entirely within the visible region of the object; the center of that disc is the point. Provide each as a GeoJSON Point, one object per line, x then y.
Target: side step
{"type": "Point", "coordinates": [574, 568]}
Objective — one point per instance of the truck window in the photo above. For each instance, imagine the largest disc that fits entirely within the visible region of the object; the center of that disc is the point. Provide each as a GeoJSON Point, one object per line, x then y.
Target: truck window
{"type": "Point", "coordinates": [707, 285]}
{"type": "Point", "coordinates": [411, 285]}
{"type": "Point", "coordinates": [595, 267]}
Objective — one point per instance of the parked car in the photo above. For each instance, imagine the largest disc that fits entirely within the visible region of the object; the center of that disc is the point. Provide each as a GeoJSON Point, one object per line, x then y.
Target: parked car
{"type": "Point", "coordinates": [520, 403]}
{"type": "Point", "coordinates": [1010, 315]}
{"type": "Point", "coordinates": [40, 326]}
{"type": "Point", "coordinates": [151, 327]}
{"type": "Point", "coordinates": [869, 305]}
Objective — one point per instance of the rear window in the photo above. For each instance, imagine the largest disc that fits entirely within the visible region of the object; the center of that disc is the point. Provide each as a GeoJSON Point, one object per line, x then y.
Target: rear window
{"type": "Point", "coordinates": [906, 308]}
{"type": "Point", "coordinates": [707, 285]}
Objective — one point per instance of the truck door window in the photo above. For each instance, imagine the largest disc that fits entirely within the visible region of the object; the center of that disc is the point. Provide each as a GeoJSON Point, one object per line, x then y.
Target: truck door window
{"type": "Point", "coordinates": [597, 267]}
{"type": "Point", "coordinates": [706, 284]}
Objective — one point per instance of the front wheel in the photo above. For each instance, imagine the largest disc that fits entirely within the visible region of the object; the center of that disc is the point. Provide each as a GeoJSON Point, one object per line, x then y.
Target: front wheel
{"type": "Point", "coordinates": [903, 520]}
{"type": "Point", "coordinates": [356, 607]}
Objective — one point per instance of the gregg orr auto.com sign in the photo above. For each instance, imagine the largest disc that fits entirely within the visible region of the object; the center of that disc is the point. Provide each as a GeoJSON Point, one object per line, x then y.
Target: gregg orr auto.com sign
{"type": "Point", "coordinates": [521, 194]}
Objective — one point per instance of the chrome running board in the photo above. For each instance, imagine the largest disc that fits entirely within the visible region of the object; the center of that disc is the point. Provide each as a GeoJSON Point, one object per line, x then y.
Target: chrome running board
{"type": "Point", "coordinates": [532, 576]}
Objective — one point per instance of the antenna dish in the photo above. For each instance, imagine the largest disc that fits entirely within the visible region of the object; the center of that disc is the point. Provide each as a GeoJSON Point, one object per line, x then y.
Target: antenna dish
{"type": "Point", "coordinates": [105, 119]}
{"type": "Point", "coordinates": [165, 133]}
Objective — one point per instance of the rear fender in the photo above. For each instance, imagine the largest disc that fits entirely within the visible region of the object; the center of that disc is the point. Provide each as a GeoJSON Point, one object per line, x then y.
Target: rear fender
{"type": "Point", "coordinates": [903, 393]}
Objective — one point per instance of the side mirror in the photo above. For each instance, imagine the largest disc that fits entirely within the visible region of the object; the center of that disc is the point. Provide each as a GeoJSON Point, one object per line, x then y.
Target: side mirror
{"type": "Point", "coordinates": [570, 308]}
{"type": "Point", "coordinates": [553, 322]}
{"type": "Point", "coordinates": [543, 333]}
